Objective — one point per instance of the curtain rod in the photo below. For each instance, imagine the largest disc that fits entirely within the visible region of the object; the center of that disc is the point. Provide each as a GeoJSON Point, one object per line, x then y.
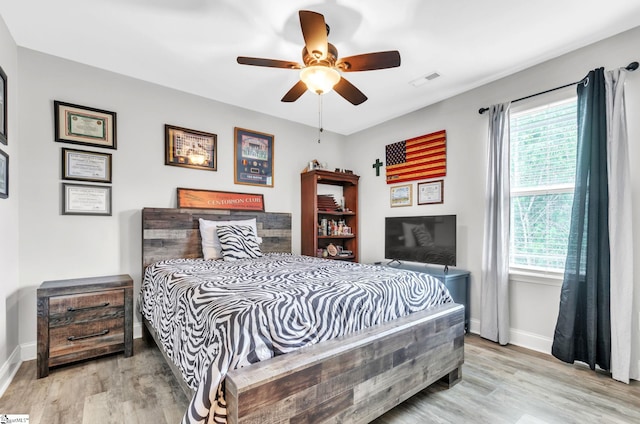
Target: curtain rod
{"type": "Point", "coordinates": [630, 67]}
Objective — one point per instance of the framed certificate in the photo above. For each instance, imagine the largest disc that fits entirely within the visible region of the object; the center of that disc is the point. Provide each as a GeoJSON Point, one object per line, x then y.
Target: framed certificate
{"type": "Point", "coordinates": [401, 196]}
{"type": "Point", "coordinates": [253, 158]}
{"type": "Point", "coordinates": [84, 125]}
{"type": "Point", "coordinates": [81, 165]}
{"type": "Point", "coordinates": [4, 175]}
{"type": "Point", "coordinates": [81, 199]}
{"type": "Point", "coordinates": [3, 107]}
{"type": "Point", "coordinates": [431, 192]}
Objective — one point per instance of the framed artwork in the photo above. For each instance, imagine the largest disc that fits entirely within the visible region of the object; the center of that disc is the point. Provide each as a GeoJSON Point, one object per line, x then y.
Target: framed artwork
{"type": "Point", "coordinates": [253, 158]}
{"type": "Point", "coordinates": [208, 199]}
{"type": "Point", "coordinates": [81, 165]}
{"type": "Point", "coordinates": [4, 175]}
{"type": "Point", "coordinates": [401, 196]}
{"type": "Point", "coordinates": [3, 107]}
{"type": "Point", "coordinates": [84, 125]}
{"type": "Point", "coordinates": [82, 199]}
{"type": "Point", "coordinates": [431, 192]}
{"type": "Point", "coordinates": [190, 148]}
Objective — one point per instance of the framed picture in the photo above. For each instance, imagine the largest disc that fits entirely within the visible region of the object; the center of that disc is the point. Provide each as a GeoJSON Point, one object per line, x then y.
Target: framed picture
{"type": "Point", "coordinates": [207, 199]}
{"type": "Point", "coordinates": [3, 107]}
{"type": "Point", "coordinates": [253, 158]}
{"type": "Point", "coordinates": [84, 125]}
{"type": "Point", "coordinates": [431, 192]}
{"type": "Point", "coordinates": [4, 175]}
{"type": "Point", "coordinates": [190, 148]}
{"type": "Point", "coordinates": [82, 199]}
{"type": "Point", "coordinates": [81, 165]}
{"type": "Point", "coordinates": [401, 196]}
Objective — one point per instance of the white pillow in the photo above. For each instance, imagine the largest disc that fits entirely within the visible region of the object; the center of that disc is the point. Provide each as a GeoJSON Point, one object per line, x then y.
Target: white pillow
{"type": "Point", "coordinates": [211, 248]}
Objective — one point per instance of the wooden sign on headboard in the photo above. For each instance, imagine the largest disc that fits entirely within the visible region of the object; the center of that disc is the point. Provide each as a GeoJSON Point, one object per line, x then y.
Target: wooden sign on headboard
{"type": "Point", "coordinates": [208, 199]}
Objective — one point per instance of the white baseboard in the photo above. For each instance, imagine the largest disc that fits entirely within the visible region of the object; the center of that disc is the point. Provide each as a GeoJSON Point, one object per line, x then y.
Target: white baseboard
{"type": "Point", "coordinates": [520, 338]}
{"type": "Point", "coordinates": [28, 351]}
{"type": "Point", "coordinates": [530, 341]}
{"type": "Point", "coordinates": [9, 370]}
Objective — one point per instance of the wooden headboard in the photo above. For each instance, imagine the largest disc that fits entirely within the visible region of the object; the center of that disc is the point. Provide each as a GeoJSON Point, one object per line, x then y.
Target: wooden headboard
{"type": "Point", "coordinates": [175, 233]}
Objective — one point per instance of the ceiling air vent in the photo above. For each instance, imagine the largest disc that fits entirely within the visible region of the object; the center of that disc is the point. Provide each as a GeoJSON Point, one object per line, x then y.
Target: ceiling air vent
{"type": "Point", "coordinates": [423, 79]}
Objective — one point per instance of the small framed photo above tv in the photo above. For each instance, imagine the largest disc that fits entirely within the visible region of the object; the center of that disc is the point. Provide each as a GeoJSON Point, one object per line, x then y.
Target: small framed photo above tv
{"type": "Point", "coordinates": [401, 196]}
{"type": "Point", "coordinates": [431, 192]}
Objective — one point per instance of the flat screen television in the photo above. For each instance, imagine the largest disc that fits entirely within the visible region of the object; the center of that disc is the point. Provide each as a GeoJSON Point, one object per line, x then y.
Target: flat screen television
{"type": "Point", "coordinates": [424, 239]}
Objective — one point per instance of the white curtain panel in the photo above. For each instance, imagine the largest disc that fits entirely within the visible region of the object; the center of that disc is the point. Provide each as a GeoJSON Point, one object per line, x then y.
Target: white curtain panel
{"type": "Point", "coordinates": [620, 232]}
{"type": "Point", "coordinates": [494, 318]}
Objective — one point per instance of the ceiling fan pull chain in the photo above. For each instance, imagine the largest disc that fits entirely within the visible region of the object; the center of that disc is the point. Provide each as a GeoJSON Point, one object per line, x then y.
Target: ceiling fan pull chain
{"type": "Point", "coordinates": [320, 129]}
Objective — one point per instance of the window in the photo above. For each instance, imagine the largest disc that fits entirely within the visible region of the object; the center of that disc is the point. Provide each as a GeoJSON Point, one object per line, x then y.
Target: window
{"type": "Point", "coordinates": [543, 165]}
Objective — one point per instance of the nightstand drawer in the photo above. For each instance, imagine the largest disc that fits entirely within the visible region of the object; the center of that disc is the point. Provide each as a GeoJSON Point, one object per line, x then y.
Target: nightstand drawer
{"type": "Point", "coordinates": [86, 307]}
{"type": "Point", "coordinates": [84, 336]}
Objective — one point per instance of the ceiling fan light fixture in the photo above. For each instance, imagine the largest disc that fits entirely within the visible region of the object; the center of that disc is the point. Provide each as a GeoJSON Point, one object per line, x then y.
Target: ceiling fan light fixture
{"type": "Point", "coordinates": [319, 79]}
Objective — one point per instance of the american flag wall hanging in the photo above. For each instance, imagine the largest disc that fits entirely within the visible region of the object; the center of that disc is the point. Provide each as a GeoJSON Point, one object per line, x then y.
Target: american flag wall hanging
{"type": "Point", "coordinates": [419, 158]}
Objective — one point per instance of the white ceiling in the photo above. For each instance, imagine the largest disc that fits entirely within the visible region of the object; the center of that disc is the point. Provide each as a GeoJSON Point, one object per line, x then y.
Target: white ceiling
{"type": "Point", "coordinates": [192, 45]}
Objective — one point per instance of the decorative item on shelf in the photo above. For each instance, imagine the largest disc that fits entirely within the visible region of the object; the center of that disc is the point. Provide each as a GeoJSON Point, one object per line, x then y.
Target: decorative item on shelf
{"type": "Point", "coordinates": [314, 164]}
{"type": "Point", "coordinates": [343, 171]}
{"type": "Point", "coordinates": [326, 202]}
{"type": "Point", "coordinates": [345, 253]}
{"type": "Point", "coordinates": [332, 250]}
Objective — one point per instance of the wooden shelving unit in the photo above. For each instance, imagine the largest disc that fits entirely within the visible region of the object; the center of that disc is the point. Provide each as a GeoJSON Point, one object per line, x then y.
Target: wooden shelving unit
{"type": "Point", "coordinates": [315, 209]}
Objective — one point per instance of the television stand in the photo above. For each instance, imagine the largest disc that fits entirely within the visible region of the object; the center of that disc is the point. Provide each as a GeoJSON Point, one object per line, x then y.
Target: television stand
{"type": "Point", "coordinates": [456, 280]}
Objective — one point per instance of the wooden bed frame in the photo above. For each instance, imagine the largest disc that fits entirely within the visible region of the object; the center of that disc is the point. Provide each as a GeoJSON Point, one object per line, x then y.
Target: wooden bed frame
{"type": "Point", "coordinates": [351, 379]}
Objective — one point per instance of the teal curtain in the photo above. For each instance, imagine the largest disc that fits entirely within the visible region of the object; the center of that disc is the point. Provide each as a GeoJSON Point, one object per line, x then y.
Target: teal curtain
{"type": "Point", "coordinates": [583, 330]}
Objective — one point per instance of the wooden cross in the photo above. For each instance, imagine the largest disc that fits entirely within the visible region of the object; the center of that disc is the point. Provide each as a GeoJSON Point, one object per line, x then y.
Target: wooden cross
{"type": "Point", "coordinates": [377, 166]}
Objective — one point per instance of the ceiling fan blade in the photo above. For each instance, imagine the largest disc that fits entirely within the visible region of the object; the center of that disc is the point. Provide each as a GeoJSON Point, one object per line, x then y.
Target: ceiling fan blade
{"type": "Point", "coordinates": [314, 31]}
{"type": "Point", "coordinates": [369, 61]}
{"type": "Point", "coordinates": [295, 92]}
{"type": "Point", "coordinates": [269, 63]}
{"type": "Point", "coordinates": [349, 92]}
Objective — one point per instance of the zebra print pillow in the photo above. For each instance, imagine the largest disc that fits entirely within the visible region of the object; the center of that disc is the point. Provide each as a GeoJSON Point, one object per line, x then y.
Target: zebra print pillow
{"type": "Point", "coordinates": [238, 242]}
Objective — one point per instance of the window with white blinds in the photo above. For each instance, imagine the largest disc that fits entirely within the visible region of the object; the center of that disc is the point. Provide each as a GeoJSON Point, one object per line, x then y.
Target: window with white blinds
{"type": "Point", "coordinates": [543, 165]}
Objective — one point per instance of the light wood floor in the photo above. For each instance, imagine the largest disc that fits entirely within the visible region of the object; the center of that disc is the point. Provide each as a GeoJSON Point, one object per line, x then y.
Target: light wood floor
{"type": "Point", "coordinates": [499, 385]}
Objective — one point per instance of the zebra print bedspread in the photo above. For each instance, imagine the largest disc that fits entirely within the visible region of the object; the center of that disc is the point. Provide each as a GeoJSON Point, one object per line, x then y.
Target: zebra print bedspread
{"type": "Point", "coordinates": [212, 316]}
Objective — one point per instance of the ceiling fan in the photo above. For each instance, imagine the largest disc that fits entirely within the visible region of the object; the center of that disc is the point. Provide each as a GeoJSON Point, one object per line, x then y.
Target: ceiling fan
{"type": "Point", "coordinates": [321, 70]}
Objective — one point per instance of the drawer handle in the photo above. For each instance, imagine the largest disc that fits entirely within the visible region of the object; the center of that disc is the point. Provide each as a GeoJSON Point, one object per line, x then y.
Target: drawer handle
{"type": "Point", "coordinates": [74, 338]}
{"type": "Point", "coordinates": [102, 305]}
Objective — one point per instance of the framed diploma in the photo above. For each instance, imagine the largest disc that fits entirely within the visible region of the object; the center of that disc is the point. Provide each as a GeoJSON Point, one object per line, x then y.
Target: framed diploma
{"type": "Point", "coordinates": [253, 158]}
{"type": "Point", "coordinates": [3, 107]}
{"type": "Point", "coordinates": [84, 125]}
{"type": "Point", "coordinates": [4, 175]}
{"type": "Point", "coordinates": [81, 165]}
{"type": "Point", "coordinates": [81, 199]}
{"type": "Point", "coordinates": [431, 192]}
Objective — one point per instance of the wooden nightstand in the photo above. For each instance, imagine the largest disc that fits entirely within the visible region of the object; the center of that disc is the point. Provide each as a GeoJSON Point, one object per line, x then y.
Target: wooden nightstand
{"type": "Point", "coordinates": [84, 318]}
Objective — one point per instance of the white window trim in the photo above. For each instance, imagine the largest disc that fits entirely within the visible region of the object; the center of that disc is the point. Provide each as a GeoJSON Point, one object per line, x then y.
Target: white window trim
{"type": "Point", "coordinates": [534, 275]}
